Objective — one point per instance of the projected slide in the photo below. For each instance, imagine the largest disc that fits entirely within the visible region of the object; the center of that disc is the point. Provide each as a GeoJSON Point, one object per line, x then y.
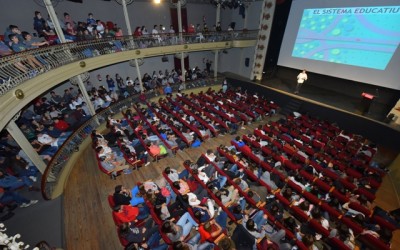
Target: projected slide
{"type": "Point", "coordinates": [359, 36]}
{"type": "Point", "coordinates": [357, 40]}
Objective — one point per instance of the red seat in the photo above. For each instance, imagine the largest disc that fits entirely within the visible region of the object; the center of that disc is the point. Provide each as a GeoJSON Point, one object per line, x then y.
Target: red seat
{"type": "Point", "coordinates": [299, 214]}
{"type": "Point", "coordinates": [110, 25]}
{"type": "Point", "coordinates": [311, 198]}
{"type": "Point", "coordinates": [122, 240]}
{"type": "Point", "coordinates": [319, 228]}
{"type": "Point", "coordinates": [370, 196]}
{"type": "Point", "coordinates": [383, 223]}
{"type": "Point", "coordinates": [373, 242]}
{"type": "Point", "coordinates": [360, 208]}
{"type": "Point", "coordinates": [111, 201]}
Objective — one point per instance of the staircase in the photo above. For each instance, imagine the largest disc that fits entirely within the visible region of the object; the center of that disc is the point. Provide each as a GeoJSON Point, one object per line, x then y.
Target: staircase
{"type": "Point", "coordinates": [291, 106]}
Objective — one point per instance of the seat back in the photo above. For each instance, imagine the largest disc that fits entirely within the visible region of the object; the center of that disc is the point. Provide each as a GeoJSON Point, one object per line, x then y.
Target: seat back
{"type": "Point", "coordinates": [111, 201]}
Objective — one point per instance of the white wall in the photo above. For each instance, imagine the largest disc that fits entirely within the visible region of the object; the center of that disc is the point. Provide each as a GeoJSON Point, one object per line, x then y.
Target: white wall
{"type": "Point", "coordinates": [195, 13]}
{"type": "Point", "coordinates": [253, 12]}
{"type": "Point", "coordinates": [199, 59]}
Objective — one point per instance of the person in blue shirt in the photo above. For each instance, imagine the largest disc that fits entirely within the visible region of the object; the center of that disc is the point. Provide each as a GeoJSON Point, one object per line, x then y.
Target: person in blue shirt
{"type": "Point", "coordinates": [110, 83]}
{"type": "Point", "coordinates": [11, 182]}
{"type": "Point", "coordinates": [90, 20]}
{"type": "Point", "coordinates": [136, 198]}
{"type": "Point", "coordinates": [167, 89]}
{"type": "Point", "coordinates": [12, 30]}
{"type": "Point", "coordinates": [239, 142]}
{"type": "Point", "coordinates": [18, 46]}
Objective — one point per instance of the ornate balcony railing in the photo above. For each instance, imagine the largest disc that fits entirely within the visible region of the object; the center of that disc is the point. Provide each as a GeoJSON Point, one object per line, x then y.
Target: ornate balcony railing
{"type": "Point", "coordinates": [54, 170]}
{"type": "Point", "coordinates": [18, 67]}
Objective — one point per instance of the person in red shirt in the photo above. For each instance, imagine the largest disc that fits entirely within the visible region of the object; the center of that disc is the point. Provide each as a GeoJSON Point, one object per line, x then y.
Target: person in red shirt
{"type": "Point", "coordinates": [61, 125]}
{"type": "Point", "coordinates": [130, 214]}
{"type": "Point", "coordinates": [209, 231]}
{"type": "Point", "coordinates": [154, 149]}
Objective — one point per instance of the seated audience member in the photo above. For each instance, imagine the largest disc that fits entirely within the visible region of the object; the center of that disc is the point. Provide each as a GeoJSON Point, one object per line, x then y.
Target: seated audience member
{"type": "Point", "coordinates": [21, 168]}
{"type": "Point", "coordinates": [18, 46]}
{"type": "Point", "coordinates": [245, 235]}
{"type": "Point", "coordinates": [194, 243]}
{"type": "Point", "coordinates": [226, 243]}
{"type": "Point", "coordinates": [173, 174]}
{"type": "Point", "coordinates": [123, 196]}
{"type": "Point", "coordinates": [32, 43]}
{"type": "Point", "coordinates": [48, 140]}
{"type": "Point", "coordinates": [154, 148]}
{"type": "Point", "coordinates": [179, 231]}
{"type": "Point", "coordinates": [266, 177]}
{"type": "Point", "coordinates": [9, 197]}
{"type": "Point", "coordinates": [11, 182]}
{"type": "Point", "coordinates": [113, 166]}
{"type": "Point", "coordinates": [61, 125]}
{"type": "Point", "coordinates": [162, 212]}
{"type": "Point", "coordinates": [147, 236]}
{"type": "Point", "coordinates": [127, 213]}
{"type": "Point", "coordinates": [209, 231]}
{"type": "Point", "coordinates": [12, 30]}
{"type": "Point", "coordinates": [5, 51]}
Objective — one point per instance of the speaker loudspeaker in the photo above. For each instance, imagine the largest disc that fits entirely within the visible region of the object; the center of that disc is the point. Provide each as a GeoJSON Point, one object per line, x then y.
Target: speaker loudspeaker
{"type": "Point", "coordinates": [247, 62]}
{"type": "Point", "coordinates": [164, 59]}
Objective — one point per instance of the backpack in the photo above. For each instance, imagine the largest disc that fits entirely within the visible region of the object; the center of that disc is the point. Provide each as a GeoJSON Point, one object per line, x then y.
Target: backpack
{"type": "Point", "coordinates": [163, 150]}
{"type": "Point", "coordinates": [196, 144]}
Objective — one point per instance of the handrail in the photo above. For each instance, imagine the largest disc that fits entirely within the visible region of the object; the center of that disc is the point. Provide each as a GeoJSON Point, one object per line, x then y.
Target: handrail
{"type": "Point", "coordinates": [15, 68]}
{"type": "Point", "coordinates": [56, 166]}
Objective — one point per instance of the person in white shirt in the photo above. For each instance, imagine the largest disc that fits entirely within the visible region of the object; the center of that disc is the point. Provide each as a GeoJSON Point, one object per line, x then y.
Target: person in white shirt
{"type": "Point", "coordinates": [99, 103]}
{"type": "Point", "coordinates": [48, 140]}
{"type": "Point", "coordinates": [301, 78]}
{"type": "Point", "coordinates": [155, 33]}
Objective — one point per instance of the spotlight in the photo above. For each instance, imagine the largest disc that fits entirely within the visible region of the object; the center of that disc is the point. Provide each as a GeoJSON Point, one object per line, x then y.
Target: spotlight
{"type": "Point", "coordinates": [157, 1]}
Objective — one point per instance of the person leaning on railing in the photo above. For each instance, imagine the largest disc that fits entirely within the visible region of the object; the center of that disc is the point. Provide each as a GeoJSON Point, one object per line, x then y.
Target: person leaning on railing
{"type": "Point", "coordinates": [6, 51]}
{"type": "Point", "coordinates": [18, 46]}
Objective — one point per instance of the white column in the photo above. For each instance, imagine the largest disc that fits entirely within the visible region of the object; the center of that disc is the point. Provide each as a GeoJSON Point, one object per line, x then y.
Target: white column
{"type": "Point", "coordinates": [216, 64]}
{"type": "Point", "coordinates": [85, 95]}
{"type": "Point", "coordinates": [245, 19]}
{"type": "Point", "coordinates": [183, 66]}
{"type": "Point", "coordinates": [127, 22]}
{"type": "Point", "coordinates": [129, 28]}
{"type": "Point", "coordinates": [139, 75]}
{"type": "Point", "coordinates": [179, 12]}
{"type": "Point", "coordinates": [20, 138]}
{"type": "Point", "coordinates": [218, 14]}
{"type": "Point", "coordinates": [54, 19]}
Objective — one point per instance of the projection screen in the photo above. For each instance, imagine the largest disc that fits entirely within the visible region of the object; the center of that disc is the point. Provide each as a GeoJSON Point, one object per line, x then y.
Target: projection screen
{"type": "Point", "coordinates": [357, 40]}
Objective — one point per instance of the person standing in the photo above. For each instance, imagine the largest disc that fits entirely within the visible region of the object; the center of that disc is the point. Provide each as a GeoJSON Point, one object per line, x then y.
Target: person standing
{"type": "Point", "coordinates": [301, 78]}
{"type": "Point", "coordinates": [208, 66]}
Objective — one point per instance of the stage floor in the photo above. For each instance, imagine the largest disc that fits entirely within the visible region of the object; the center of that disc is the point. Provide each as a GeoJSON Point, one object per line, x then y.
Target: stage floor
{"type": "Point", "coordinates": [377, 111]}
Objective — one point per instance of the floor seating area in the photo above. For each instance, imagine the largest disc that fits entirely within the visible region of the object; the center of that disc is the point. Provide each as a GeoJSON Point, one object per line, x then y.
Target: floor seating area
{"type": "Point", "coordinates": [297, 168]}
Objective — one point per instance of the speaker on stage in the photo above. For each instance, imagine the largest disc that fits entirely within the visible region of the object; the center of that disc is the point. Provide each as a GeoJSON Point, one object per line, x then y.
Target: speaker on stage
{"type": "Point", "coordinates": [164, 59]}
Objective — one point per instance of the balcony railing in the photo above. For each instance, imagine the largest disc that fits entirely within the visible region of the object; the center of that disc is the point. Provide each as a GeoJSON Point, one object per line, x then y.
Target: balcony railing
{"type": "Point", "coordinates": [17, 68]}
{"type": "Point", "coordinates": [55, 168]}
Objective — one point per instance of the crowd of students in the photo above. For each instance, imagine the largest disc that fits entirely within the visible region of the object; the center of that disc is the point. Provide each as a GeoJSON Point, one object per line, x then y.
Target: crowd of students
{"type": "Point", "coordinates": [280, 204]}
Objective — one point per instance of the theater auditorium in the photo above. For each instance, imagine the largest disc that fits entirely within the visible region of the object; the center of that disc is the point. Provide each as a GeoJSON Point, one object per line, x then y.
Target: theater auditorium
{"type": "Point", "coordinates": [200, 124]}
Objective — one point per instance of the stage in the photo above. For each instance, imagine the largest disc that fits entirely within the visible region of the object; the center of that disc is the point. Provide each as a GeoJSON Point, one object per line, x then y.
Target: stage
{"type": "Point", "coordinates": [377, 110]}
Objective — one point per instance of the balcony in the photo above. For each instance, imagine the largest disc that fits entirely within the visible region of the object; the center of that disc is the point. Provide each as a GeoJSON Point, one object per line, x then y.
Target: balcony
{"type": "Point", "coordinates": [63, 61]}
